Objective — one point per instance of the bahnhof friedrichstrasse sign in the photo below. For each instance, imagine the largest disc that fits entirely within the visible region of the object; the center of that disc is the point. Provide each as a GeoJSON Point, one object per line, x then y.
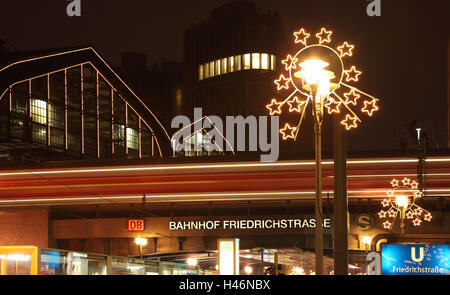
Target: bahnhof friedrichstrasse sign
{"type": "Point", "coordinates": [244, 224]}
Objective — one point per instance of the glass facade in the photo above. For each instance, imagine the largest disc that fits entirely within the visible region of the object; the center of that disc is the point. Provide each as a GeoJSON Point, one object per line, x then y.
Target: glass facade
{"type": "Point", "coordinates": [77, 111]}
{"type": "Point", "coordinates": [248, 61]}
{"type": "Point", "coordinates": [26, 260]}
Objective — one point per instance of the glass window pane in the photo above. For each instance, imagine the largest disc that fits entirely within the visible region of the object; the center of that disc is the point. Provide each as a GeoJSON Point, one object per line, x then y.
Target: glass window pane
{"type": "Point", "coordinates": [231, 64]}
{"type": "Point", "coordinates": [224, 65]}
{"type": "Point", "coordinates": [247, 61]}
{"type": "Point", "coordinates": [218, 67]}
{"type": "Point", "coordinates": [200, 72]}
{"type": "Point", "coordinates": [211, 69]}
{"type": "Point", "coordinates": [264, 61]}
{"type": "Point", "coordinates": [237, 63]}
{"type": "Point", "coordinates": [255, 61]}
{"type": "Point", "coordinates": [39, 111]}
{"type": "Point", "coordinates": [273, 63]}
{"type": "Point", "coordinates": [206, 68]}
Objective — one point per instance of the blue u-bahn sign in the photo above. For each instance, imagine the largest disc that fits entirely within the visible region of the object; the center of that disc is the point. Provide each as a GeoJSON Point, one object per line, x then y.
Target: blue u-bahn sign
{"type": "Point", "coordinates": [415, 259]}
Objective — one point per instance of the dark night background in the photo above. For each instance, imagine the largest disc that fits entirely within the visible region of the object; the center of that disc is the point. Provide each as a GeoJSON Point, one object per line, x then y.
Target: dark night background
{"type": "Point", "coordinates": [403, 53]}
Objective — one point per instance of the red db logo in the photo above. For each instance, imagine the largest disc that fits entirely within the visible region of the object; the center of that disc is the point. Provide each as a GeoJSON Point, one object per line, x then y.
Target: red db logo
{"type": "Point", "coordinates": [136, 224]}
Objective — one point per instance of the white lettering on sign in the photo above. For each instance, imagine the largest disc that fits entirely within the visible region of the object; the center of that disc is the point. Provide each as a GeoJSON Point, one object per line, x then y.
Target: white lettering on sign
{"type": "Point", "coordinates": [247, 224]}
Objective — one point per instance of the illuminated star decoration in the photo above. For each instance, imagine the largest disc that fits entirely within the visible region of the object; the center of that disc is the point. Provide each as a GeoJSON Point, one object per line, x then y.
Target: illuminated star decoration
{"type": "Point", "coordinates": [324, 36]}
{"type": "Point", "coordinates": [282, 82]}
{"type": "Point", "coordinates": [295, 105]}
{"type": "Point", "coordinates": [346, 49]}
{"type": "Point", "coordinates": [405, 188]}
{"type": "Point", "coordinates": [274, 107]}
{"type": "Point", "coordinates": [287, 131]}
{"type": "Point", "coordinates": [301, 36]}
{"type": "Point", "coordinates": [342, 99]}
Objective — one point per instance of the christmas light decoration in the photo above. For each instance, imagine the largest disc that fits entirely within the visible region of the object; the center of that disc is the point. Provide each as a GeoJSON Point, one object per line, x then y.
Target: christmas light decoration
{"type": "Point", "coordinates": [401, 201]}
{"type": "Point", "coordinates": [331, 73]}
{"type": "Point", "coordinates": [346, 49]}
{"type": "Point", "coordinates": [301, 36]}
{"type": "Point", "coordinates": [324, 36]}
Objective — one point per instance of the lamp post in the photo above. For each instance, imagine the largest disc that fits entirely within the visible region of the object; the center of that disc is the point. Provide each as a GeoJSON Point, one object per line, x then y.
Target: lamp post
{"type": "Point", "coordinates": [316, 80]}
{"type": "Point", "coordinates": [140, 242]}
{"type": "Point", "coordinates": [402, 204]}
{"type": "Point", "coordinates": [312, 85]}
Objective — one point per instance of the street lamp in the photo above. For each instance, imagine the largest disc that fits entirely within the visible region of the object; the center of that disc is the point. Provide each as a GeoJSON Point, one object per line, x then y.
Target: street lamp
{"type": "Point", "coordinates": [367, 241]}
{"type": "Point", "coordinates": [402, 200]}
{"type": "Point", "coordinates": [316, 80]}
{"type": "Point", "coordinates": [308, 81]}
{"type": "Point", "coordinates": [140, 242]}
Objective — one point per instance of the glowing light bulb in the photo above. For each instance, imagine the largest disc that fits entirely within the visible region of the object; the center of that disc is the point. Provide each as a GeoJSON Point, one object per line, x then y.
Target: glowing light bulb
{"type": "Point", "coordinates": [402, 201]}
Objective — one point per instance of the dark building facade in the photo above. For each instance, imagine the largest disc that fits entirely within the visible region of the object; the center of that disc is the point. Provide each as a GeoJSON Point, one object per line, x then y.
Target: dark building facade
{"type": "Point", "coordinates": [158, 86]}
{"type": "Point", "coordinates": [230, 60]}
{"type": "Point", "coordinates": [70, 104]}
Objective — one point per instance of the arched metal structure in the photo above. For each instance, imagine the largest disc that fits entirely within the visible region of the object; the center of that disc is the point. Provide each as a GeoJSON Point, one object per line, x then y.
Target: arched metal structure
{"type": "Point", "coordinates": [71, 101]}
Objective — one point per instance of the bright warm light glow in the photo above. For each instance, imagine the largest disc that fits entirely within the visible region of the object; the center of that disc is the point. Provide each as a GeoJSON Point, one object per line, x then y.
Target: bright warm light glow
{"type": "Point", "coordinates": [402, 201]}
{"type": "Point", "coordinates": [248, 269]}
{"type": "Point", "coordinates": [312, 70]}
{"type": "Point", "coordinates": [367, 240]}
{"type": "Point", "coordinates": [18, 257]}
{"type": "Point", "coordinates": [140, 241]}
{"type": "Point", "coordinates": [351, 97]}
{"type": "Point", "coordinates": [192, 262]}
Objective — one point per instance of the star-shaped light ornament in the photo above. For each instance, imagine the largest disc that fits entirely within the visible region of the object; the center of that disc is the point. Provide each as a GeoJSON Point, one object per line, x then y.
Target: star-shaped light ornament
{"type": "Point", "coordinates": [324, 36]}
{"type": "Point", "coordinates": [370, 107]}
{"type": "Point", "coordinates": [274, 107]}
{"type": "Point", "coordinates": [301, 36]}
{"type": "Point", "coordinates": [295, 105]}
{"type": "Point", "coordinates": [333, 106]}
{"type": "Point", "coordinates": [352, 74]}
{"type": "Point", "coordinates": [336, 95]}
{"type": "Point", "coordinates": [282, 82]}
{"type": "Point", "coordinates": [290, 62]}
{"type": "Point", "coordinates": [350, 122]}
{"type": "Point", "coordinates": [346, 49]}
{"type": "Point", "coordinates": [401, 202]}
{"type": "Point", "coordinates": [351, 97]}
{"type": "Point", "coordinates": [288, 131]}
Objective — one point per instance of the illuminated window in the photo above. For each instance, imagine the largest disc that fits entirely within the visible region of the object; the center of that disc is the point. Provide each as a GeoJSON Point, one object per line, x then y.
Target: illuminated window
{"type": "Point", "coordinates": [200, 72]}
{"type": "Point", "coordinates": [224, 65]}
{"type": "Point", "coordinates": [237, 63]}
{"type": "Point", "coordinates": [218, 72]}
{"type": "Point", "coordinates": [264, 61]}
{"type": "Point", "coordinates": [256, 64]}
{"type": "Point", "coordinates": [211, 69]}
{"type": "Point", "coordinates": [132, 139]}
{"type": "Point", "coordinates": [247, 61]}
{"type": "Point", "coordinates": [273, 63]}
{"type": "Point", "coordinates": [206, 69]}
{"type": "Point", "coordinates": [231, 64]}
{"type": "Point", "coordinates": [39, 111]}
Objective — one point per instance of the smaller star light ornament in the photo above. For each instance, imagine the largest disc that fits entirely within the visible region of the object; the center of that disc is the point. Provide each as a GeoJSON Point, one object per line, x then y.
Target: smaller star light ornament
{"type": "Point", "coordinates": [340, 95]}
{"type": "Point", "coordinates": [401, 202]}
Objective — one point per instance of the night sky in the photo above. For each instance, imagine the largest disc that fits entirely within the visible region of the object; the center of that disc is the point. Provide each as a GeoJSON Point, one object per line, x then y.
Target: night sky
{"type": "Point", "coordinates": [403, 52]}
